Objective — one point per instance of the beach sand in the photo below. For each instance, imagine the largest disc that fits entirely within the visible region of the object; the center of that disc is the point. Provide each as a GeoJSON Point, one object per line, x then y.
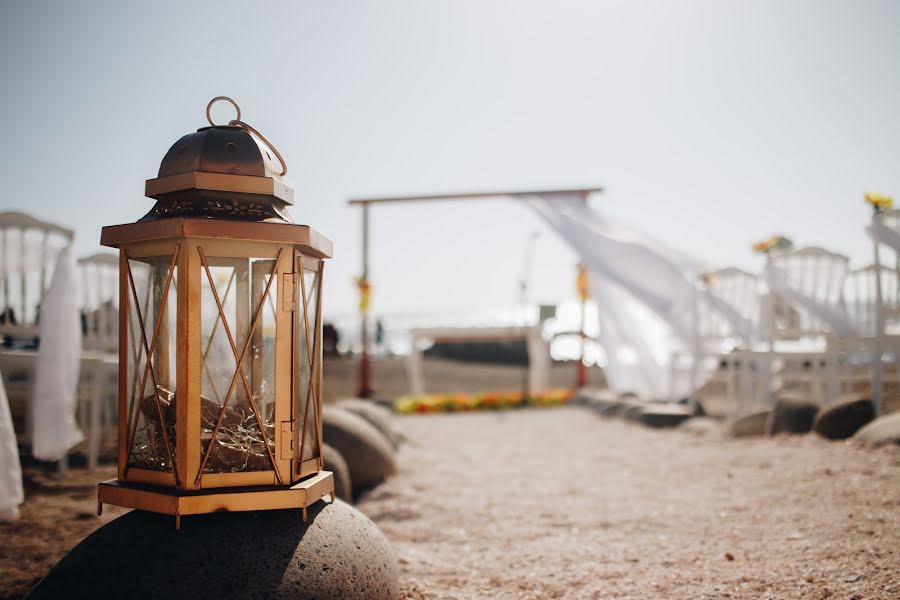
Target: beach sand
{"type": "Point", "coordinates": [558, 503]}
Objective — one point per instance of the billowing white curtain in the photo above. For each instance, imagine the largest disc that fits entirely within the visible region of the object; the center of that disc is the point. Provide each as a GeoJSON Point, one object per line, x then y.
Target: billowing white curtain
{"type": "Point", "coordinates": [54, 429]}
{"type": "Point", "coordinates": [648, 297]}
{"type": "Point", "coordinates": [11, 494]}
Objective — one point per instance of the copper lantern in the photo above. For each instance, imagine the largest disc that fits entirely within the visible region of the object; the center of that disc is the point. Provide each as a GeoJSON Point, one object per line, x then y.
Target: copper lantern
{"type": "Point", "coordinates": [220, 329]}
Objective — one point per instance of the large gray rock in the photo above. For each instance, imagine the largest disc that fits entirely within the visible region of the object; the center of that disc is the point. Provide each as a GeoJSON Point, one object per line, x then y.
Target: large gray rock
{"type": "Point", "coordinates": [335, 463]}
{"type": "Point", "coordinates": [339, 554]}
{"type": "Point", "coordinates": [844, 417]}
{"type": "Point", "coordinates": [791, 414]}
{"type": "Point", "coordinates": [664, 415]}
{"type": "Point", "coordinates": [750, 425]}
{"type": "Point", "coordinates": [881, 432]}
{"type": "Point", "coordinates": [380, 417]}
{"type": "Point", "coordinates": [368, 453]}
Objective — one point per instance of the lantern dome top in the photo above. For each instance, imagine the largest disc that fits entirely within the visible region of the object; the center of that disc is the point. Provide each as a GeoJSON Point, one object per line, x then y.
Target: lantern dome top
{"type": "Point", "coordinates": [220, 149]}
{"type": "Point", "coordinates": [221, 171]}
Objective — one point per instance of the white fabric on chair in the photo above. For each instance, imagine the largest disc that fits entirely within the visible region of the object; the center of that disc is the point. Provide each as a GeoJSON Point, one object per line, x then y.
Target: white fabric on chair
{"type": "Point", "coordinates": [11, 494]}
{"type": "Point", "coordinates": [56, 372]}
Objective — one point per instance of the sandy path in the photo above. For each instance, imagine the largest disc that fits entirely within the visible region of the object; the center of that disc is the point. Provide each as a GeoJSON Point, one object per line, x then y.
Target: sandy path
{"type": "Point", "coordinates": [561, 504]}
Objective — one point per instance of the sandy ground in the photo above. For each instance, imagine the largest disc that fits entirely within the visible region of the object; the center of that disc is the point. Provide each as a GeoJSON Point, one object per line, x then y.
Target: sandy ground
{"type": "Point", "coordinates": [558, 503]}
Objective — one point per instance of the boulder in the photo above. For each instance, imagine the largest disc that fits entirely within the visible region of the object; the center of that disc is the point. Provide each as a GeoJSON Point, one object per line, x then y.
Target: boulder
{"type": "Point", "coordinates": [701, 426]}
{"type": "Point", "coordinates": [791, 413]}
{"type": "Point", "coordinates": [844, 417]}
{"type": "Point", "coordinates": [749, 425]}
{"type": "Point", "coordinates": [337, 554]}
{"type": "Point", "coordinates": [698, 411]}
{"type": "Point", "coordinates": [630, 410]}
{"type": "Point", "coordinates": [368, 453]}
{"type": "Point", "coordinates": [882, 431]}
{"type": "Point", "coordinates": [601, 401]}
{"type": "Point", "coordinates": [664, 415]}
{"type": "Point", "coordinates": [335, 463]}
{"type": "Point", "coordinates": [380, 417]}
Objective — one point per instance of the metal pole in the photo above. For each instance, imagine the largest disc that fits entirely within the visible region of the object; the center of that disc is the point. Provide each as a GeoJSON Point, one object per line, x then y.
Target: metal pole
{"type": "Point", "coordinates": [581, 369]}
{"type": "Point", "coordinates": [878, 349]}
{"type": "Point", "coordinates": [365, 389]}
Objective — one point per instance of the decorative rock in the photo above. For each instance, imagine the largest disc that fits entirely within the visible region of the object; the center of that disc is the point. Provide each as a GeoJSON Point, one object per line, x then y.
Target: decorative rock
{"type": "Point", "coordinates": [698, 411]}
{"type": "Point", "coordinates": [750, 425]}
{"type": "Point", "coordinates": [339, 554]}
{"type": "Point", "coordinates": [664, 415]}
{"type": "Point", "coordinates": [630, 410]}
{"type": "Point", "coordinates": [880, 432]}
{"type": "Point", "coordinates": [375, 414]}
{"type": "Point", "coordinates": [701, 426]}
{"type": "Point", "coordinates": [368, 453]}
{"type": "Point", "coordinates": [602, 401]}
{"type": "Point", "coordinates": [335, 463]}
{"type": "Point", "coordinates": [791, 414]}
{"type": "Point", "coordinates": [844, 417]}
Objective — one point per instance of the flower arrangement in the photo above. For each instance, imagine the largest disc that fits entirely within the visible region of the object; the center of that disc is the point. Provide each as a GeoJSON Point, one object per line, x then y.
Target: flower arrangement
{"type": "Point", "coordinates": [776, 242]}
{"type": "Point", "coordinates": [437, 403]}
{"type": "Point", "coordinates": [879, 202]}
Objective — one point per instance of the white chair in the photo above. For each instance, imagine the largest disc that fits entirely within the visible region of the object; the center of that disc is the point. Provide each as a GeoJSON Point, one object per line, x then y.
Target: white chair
{"type": "Point", "coordinates": [98, 383]}
{"type": "Point", "coordinates": [719, 341]}
{"type": "Point", "coordinates": [803, 308]}
{"type": "Point", "coordinates": [885, 232]}
{"type": "Point", "coordinates": [856, 355]}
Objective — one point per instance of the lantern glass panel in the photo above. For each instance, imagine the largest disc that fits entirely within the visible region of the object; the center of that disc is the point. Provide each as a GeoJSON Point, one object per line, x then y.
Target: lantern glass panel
{"type": "Point", "coordinates": [237, 413]}
{"type": "Point", "coordinates": [151, 416]}
{"type": "Point", "coordinates": [307, 399]}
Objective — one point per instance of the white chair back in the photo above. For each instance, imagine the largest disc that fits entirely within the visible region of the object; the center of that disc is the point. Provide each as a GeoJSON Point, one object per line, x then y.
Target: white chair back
{"type": "Point", "coordinates": [737, 289]}
{"type": "Point", "coordinates": [814, 276]}
{"type": "Point", "coordinates": [28, 249]}
{"type": "Point", "coordinates": [99, 275]}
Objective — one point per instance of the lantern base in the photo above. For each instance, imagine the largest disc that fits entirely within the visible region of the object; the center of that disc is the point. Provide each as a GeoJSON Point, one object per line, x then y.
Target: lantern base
{"type": "Point", "coordinates": [176, 502]}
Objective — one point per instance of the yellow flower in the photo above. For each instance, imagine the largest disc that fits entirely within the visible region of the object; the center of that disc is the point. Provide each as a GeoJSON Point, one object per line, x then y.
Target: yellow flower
{"type": "Point", "coordinates": [879, 202]}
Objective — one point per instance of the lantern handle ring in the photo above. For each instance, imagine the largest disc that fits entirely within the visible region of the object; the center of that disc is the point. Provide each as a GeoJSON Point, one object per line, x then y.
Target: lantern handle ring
{"type": "Point", "coordinates": [246, 127]}
{"type": "Point", "coordinates": [252, 130]}
{"type": "Point", "coordinates": [224, 99]}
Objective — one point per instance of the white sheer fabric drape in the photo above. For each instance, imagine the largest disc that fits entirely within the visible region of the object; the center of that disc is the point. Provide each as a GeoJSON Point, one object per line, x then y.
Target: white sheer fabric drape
{"type": "Point", "coordinates": [11, 494]}
{"type": "Point", "coordinates": [648, 298]}
{"type": "Point", "coordinates": [56, 372]}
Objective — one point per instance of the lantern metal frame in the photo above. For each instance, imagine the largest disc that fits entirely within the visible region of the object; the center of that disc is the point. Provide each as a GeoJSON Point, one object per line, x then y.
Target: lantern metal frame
{"type": "Point", "coordinates": [193, 245]}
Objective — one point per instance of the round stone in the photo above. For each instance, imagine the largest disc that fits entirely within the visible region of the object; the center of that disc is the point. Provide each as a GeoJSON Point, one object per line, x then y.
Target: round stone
{"type": "Point", "coordinates": [335, 463]}
{"type": "Point", "coordinates": [380, 417]}
{"type": "Point", "coordinates": [339, 554]}
{"type": "Point", "coordinates": [368, 453]}
{"type": "Point", "coordinates": [750, 425]}
{"type": "Point", "coordinates": [844, 417]}
{"type": "Point", "coordinates": [663, 416]}
{"type": "Point", "coordinates": [881, 432]}
{"type": "Point", "coordinates": [792, 414]}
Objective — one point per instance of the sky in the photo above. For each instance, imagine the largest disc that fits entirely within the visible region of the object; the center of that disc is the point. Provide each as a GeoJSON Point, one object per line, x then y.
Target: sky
{"type": "Point", "coordinates": [709, 124]}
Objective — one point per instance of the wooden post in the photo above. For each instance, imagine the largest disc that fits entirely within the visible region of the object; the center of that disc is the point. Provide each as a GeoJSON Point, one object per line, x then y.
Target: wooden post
{"type": "Point", "coordinates": [365, 389]}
